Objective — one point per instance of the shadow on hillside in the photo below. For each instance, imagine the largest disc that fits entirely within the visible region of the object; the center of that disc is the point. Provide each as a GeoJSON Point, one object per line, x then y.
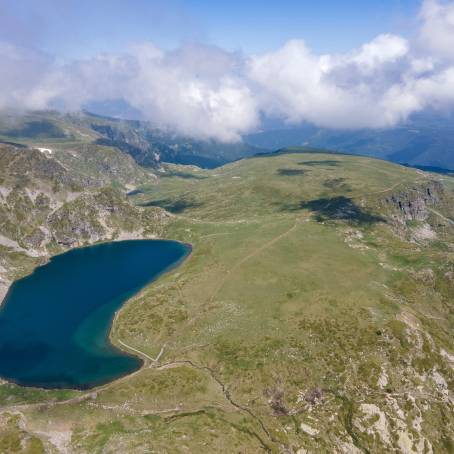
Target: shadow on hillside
{"type": "Point", "coordinates": [179, 174]}
{"type": "Point", "coordinates": [290, 172]}
{"type": "Point", "coordinates": [337, 184]}
{"type": "Point", "coordinates": [13, 144]}
{"type": "Point", "coordinates": [337, 208]}
{"type": "Point", "coordinates": [325, 162]}
{"type": "Point", "coordinates": [135, 192]}
{"type": "Point", "coordinates": [36, 129]}
{"type": "Point", "coordinates": [174, 206]}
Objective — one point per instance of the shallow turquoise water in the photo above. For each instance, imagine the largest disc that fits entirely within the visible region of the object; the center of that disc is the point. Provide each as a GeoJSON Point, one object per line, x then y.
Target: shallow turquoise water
{"type": "Point", "coordinates": [54, 324]}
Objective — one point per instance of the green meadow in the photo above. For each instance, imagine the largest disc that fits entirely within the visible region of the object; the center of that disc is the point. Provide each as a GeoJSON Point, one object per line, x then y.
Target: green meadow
{"type": "Point", "coordinates": [314, 315]}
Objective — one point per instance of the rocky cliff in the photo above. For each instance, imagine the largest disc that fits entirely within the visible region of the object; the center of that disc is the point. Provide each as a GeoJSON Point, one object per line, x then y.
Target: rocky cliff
{"type": "Point", "coordinates": [413, 203]}
{"type": "Point", "coordinates": [50, 202]}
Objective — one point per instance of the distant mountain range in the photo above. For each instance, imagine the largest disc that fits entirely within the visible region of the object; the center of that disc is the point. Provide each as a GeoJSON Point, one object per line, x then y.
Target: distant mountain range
{"type": "Point", "coordinates": [426, 140]}
{"type": "Point", "coordinates": [148, 145]}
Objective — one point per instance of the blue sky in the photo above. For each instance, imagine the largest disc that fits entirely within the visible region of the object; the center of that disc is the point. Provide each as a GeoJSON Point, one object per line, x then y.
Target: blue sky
{"type": "Point", "coordinates": [326, 25]}
{"type": "Point", "coordinates": [69, 28]}
{"type": "Point", "coordinates": [214, 69]}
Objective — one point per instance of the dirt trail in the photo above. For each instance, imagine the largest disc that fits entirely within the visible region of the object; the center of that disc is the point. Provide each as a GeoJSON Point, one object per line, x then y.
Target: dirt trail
{"type": "Point", "coordinates": [92, 395]}
{"type": "Point", "coordinates": [387, 172]}
{"type": "Point", "coordinates": [235, 404]}
{"type": "Point", "coordinates": [141, 353]}
{"type": "Point", "coordinates": [382, 191]}
{"type": "Point", "coordinates": [202, 221]}
{"type": "Point", "coordinates": [254, 253]}
{"type": "Point", "coordinates": [391, 188]}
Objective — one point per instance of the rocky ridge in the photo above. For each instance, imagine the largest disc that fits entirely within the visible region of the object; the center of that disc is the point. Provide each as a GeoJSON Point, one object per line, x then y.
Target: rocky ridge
{"type": "Point", "coordinates": [47, 207]}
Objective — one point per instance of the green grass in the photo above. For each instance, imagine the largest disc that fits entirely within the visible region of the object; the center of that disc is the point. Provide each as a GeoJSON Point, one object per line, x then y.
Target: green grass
{"type": "Point", "coordinates": [300, 295]}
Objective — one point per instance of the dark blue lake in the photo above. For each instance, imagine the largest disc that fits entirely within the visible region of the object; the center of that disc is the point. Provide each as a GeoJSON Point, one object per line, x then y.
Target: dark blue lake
{"type": "Point", "coordinates": [55, 323]}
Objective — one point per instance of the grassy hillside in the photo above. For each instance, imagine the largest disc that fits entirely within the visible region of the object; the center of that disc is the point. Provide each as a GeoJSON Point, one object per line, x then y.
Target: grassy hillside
{"type": "Point", "coordinates": [424, 140]}
{"type": "Point", "coordinates": [42, 126]}
{"type": "Point", "coordinates": [314, 315]}
{"type": "Point", "coordinates": [145, 143]}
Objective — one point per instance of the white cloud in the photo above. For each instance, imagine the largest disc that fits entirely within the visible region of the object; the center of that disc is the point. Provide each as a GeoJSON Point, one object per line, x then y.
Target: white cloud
{"type": "Point", "coordinates": [194, 90]}
{"type": "Point", "coordinates": [378, 85]}
{"type": "Point", "coordinates": [22, 73]}
{"type": "Point", "coordinates": [382, 50]}
{"type": "Point", "coordinates": [341, 91]}
{"type": "Point", "coordinates": [206, 92]}
{"type": "Point", "coordinates": [437, 30]}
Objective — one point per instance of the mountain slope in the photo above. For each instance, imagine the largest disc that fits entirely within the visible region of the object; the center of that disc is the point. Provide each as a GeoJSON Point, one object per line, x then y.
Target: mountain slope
{"type": "Point", "coordinates": [314, 315]}
{"type": "Point", "coordinates": [146, 144]}
{"type": "Point", "coordinates": [53, 200]}
{"type": "Point", "coordinates": [423, 141]}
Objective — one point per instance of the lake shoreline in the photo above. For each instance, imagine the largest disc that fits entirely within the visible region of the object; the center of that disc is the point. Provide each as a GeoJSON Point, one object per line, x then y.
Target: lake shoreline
{"type": "Point", "coordinates": [164, 272]}
{"type": "Point", "coordinates": [6, 284]}
{"type": "Point", "coordinates": [5, 288]}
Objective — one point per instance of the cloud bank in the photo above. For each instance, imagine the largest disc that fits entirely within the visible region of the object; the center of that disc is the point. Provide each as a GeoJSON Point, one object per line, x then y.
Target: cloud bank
{"type": "Point", "coordinates": [206, 92]}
